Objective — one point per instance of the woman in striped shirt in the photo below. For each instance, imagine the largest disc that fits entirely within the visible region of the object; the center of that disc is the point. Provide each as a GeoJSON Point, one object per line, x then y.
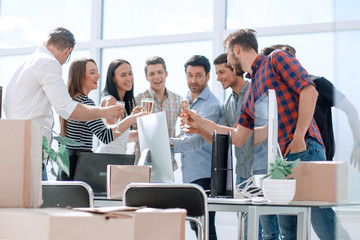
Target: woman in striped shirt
{"type": "Point", "coordinates": [83, 78]}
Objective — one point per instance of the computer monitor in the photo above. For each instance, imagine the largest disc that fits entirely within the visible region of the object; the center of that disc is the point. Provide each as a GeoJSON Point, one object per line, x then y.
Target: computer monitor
{"type": "Point", "coordinates": [265, 132]}
{"type": "Point", "coordinates": [92, 168]}
{"type": "Point", "coordinates": [153, 135]}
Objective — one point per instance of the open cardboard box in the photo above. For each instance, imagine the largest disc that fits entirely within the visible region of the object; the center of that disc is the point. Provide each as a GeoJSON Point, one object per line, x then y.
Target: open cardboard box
{"type": "Point", "coordinates": [92, 224]}
{"type": "Point", "coordinates": [323, 181]}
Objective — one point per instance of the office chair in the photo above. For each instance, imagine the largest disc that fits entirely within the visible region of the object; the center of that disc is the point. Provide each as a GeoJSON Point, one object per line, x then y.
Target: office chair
{"type": "Point", "coordinates": [67, 193]}
{"type": "Point", "coordinates": [163, 195]}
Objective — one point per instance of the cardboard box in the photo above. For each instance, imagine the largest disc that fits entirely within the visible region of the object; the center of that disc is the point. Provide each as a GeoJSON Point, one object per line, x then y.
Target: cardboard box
{"type": "Point", "coordinates": [121, 223]}
{"type": "Point", "coordinates": [118, 176]}
{"type": "Point", "coordinates": [20, 163]}
{"type": "Point", "coordinates": [170, 224]}
{"type": "Point", "coordinates": [323, 181]}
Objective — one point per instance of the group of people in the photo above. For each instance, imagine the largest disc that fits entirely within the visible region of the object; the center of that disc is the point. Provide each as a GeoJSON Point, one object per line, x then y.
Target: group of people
{"type": "Point", "coordinates": [37, 86]}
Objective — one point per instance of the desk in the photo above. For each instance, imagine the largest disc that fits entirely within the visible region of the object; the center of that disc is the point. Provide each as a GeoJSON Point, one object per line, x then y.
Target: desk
{"type": "Point", "coordinates": [254, 211]}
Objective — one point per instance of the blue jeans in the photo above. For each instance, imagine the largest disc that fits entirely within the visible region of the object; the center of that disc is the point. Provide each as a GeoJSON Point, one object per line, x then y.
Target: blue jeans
{"type": "Point", "coordinates": [322, 219]}
{"type": "Point", "coordinates": [268, 223]}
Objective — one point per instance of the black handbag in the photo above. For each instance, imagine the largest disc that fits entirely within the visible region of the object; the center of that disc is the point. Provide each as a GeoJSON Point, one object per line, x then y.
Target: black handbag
{"type": "Point", "coordinates": [221, 184]}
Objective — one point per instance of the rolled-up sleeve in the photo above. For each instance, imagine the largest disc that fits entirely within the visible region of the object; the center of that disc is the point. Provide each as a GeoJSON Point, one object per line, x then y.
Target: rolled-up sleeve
{"type": "Point", "coordinates": [55, 89]}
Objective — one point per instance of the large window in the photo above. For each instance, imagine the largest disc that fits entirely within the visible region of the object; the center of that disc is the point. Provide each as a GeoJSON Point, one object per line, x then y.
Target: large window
{"type": "Point", "coordinates": [128, 19]}
{"type": "Point", "coordinates": [27, 23]}
{"type": "Point", "coordinates": [264, 13]}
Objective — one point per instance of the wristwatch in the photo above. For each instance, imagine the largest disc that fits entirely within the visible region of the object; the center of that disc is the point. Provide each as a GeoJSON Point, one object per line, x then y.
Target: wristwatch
{"type": "Point", "coordinates": [171, 144]}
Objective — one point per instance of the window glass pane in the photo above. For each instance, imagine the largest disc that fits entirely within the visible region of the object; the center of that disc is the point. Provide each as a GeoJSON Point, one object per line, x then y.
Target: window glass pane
{"type": "Point", "coordinates": [264, 13]}
{"type": "Point", "coordinates": [25, 23]}
{"type": "Point", "coordinates": [175, 55]}
{"type": "Point", "coordinates": [348, 82]}
{"type": "Point", "coordinates": [314, 51]}
{"type": "Point", "coordinates": [124, 18]}
{"type": "Point", "coordinates": [347, 10]}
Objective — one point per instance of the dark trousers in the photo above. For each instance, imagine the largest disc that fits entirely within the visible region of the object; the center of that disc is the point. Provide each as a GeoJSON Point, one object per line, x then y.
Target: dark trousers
{"type": "Point", "coordinates": [205, 184]}
{"type": "Point", "coordinates": [73, 158]}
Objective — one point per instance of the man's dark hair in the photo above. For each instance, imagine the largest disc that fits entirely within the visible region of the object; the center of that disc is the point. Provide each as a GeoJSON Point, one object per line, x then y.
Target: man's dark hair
{"type": "Point", "coordinates": [222, 58]}
{"type": "Point", "coordinates": [267, 50]}
{"type": "Point", "coordinates": [61, 38]}
{"type": "Point", "coordinates": [285, 47]}
{"type": "Point", "coordinates": [246, 38]}
{"type": "Point", "coordinates": [198, 60]}
{"type": "Point", "coordinates": [153, 61]}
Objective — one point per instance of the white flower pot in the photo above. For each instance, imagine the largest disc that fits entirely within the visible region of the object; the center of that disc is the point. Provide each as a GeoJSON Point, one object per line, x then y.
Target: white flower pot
{"type": "Point", "coordinates": [279, 190]}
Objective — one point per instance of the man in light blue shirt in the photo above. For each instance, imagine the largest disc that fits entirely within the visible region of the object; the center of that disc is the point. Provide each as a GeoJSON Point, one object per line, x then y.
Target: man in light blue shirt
{"type": "Point", "coordinates": [195, 151]}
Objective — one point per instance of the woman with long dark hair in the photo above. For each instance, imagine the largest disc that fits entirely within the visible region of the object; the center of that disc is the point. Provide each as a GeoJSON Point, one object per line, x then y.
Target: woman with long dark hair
{"type": "Point", "coordinates": [119, 86]}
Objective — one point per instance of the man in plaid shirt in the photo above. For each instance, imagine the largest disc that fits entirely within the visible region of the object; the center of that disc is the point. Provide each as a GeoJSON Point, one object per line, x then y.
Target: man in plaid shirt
{"type": "Point", "coordinates": [298, 134]}
{"type": "Point", "coordinates": [164, 100]}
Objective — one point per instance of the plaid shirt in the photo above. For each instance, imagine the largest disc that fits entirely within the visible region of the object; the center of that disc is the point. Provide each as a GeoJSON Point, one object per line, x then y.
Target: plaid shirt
{"type": "Point", "coordinates": [284, 74]}
{"type": "Point", "coordinates": [171, 106]}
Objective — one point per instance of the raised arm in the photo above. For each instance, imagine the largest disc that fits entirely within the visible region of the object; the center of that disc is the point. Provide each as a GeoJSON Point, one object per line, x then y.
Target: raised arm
{"type": "Point", "coordinates": [353, 119]}
{"type": "Point", "coordinates": [87, 113]}
{"type": "Point", "coordinates": [205, 128]}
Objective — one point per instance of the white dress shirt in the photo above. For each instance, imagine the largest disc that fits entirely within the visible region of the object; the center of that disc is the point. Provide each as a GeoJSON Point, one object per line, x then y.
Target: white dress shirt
{"type": "Point", "coordinates": [35, 87]}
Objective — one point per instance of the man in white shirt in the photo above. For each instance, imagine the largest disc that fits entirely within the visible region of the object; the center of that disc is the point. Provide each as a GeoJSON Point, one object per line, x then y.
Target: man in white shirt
{"type": "Point", "coordinates": [37, 85]}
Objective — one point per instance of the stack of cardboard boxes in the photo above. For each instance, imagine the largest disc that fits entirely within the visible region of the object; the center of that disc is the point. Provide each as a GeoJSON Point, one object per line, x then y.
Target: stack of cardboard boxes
{"type": "Point", "coordinates": [20, 186]}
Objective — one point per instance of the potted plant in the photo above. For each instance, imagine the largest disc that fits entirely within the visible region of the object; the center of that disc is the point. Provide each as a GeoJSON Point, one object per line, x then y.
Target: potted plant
{"type": "Point", "coordinates": [60, 157]}
{"type": "Point", "coordinates": [276, 186]}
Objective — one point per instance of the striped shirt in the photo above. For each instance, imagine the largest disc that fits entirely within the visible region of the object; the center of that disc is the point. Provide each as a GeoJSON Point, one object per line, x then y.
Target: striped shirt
{"type": "Point", "coordinates": [83, 131]}
{"type": "Point", "coordinates": [284, 74]}
{"type": "Point", "coordinates": [171, 106]}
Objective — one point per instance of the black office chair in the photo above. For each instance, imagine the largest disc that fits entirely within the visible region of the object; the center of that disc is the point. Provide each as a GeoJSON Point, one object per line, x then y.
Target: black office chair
{"type": "Point", "coordinates": [67, 193]}
{"type": "Point", "coordinates": [163, 195]}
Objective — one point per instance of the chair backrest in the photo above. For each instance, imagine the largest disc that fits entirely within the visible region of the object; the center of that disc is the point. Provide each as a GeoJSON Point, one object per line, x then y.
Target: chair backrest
{"type": "Point", "coordinates": [67, 193]}
{"type": "Point", "coordinates": [163, 195]}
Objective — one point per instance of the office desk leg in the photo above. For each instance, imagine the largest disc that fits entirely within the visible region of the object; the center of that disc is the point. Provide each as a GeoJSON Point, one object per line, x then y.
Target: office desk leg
{"type": "Point", "coordinates": [302, 225]}
{"type": "Point", "coordinates": [253, 223]}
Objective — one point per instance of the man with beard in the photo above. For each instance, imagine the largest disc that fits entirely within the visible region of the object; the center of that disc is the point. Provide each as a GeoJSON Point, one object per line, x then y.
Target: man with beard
{"type": "Point", "coordinates": [233, 78]}
{"type": "Point", "coordinates": [298, 134]}
{"type": "Point", "coordinates": [195, 151]}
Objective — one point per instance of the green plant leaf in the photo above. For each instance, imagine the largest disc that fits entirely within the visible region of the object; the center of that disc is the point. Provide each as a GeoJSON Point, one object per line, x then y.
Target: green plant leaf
{"type": "Point", "coordinates": [52, 154]}
{"type": "Point", "coordinates": [277, 174]}
{"type": "Point", "coordinates": [294, 163]}
{"type": "Point", "coordinates": [45, 144]}
{"type": "Point", "coordinates": [68, 141]}
{"type": "Point", "coordinates": [53, 172]}
{"type": "Point", "coordinates": [62, 159]}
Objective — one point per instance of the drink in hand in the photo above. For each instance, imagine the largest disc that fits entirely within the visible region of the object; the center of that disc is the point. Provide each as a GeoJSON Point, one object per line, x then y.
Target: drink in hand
{"type": "Point", "coordinates": [147, 104]}
{"type": "Point", "coordinates": [120, 103]}
{"type": "Point", "coordinates": [184, 106]}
